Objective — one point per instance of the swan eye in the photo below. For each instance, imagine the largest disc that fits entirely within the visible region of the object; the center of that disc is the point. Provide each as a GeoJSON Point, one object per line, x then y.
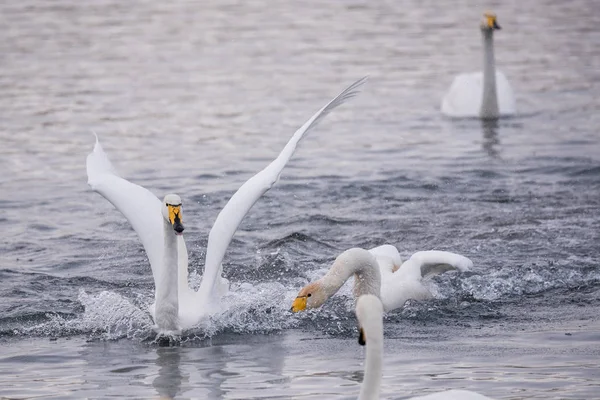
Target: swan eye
{"type": "Point", "coordinates": [308, 295]}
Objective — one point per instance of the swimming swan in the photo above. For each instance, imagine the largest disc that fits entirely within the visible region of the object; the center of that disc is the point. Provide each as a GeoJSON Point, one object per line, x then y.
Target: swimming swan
{"type": "Point", "coordinates": [380, 272]}
{"type": "Point", "coordinates": [486, 94]}
{"type": "Point", "coordinates": [159, 226]}
{"type": "Point", "coordinates": [369, 312]}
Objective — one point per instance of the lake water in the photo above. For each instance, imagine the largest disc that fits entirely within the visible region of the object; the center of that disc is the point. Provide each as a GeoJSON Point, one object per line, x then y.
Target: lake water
{"type": "Point", "coordinates": [194, 97]}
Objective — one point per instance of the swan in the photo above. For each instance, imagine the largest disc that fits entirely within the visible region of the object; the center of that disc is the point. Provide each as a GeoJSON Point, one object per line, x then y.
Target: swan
{"type": "Point", "coordinates": [369, 312]}
{"type": "Point", "coordinates": [381, 272]}
{"type": "Point", "coordinates": [486, 94]}
{"type": "Point", "coordinates": [159, 226]}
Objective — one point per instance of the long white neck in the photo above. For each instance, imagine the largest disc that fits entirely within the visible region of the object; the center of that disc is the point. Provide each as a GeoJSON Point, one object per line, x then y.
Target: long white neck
{"type": "Point", "coordinates": [373, 360]}
{"type": "Point", "coordinates": [357, 262]}
{"type": "Point", "coordinates": [166, 295]}
{"type": "Point", "coordinates": [489, 104]}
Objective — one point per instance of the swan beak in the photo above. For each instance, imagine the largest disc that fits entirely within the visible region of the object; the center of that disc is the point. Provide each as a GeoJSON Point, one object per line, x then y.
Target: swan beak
{"type": "Point", "coordinates": [175, 218]}
{"type": "Point", "coordinates": [299, 304]}
{"type": "Point", "coordinates": [361, 337]}
{"type": "Point", "coordinates": [492, 23]}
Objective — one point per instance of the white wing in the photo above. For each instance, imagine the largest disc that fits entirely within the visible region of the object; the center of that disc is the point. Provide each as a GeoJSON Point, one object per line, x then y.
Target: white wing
{"type": "Point", "coordinates": [433, 262]}
{"type": "Point", "coordinates": [240, 203]}
{"type": "Point", "coordinates": [388, 258]}
{"type": "Point", "coordinates": [141, 208]}
{"type": "Point", "coordinates": [453, 395]}
{"type": "Point", "coordinates": [465, 95]}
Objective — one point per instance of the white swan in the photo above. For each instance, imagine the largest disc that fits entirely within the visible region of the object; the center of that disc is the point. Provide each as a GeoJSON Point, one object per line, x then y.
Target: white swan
{"type": "Point", "coordinates": [486, 94]}
{"type": "Point", "coordinates": [369, 312]}
{"type": "Point", "coordinates": [159, 227]}
{"type": "Point", "coordinates": [380, 272]}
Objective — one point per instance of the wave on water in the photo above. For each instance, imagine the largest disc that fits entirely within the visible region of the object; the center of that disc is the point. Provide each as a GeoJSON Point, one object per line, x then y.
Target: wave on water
{"type": "Point", "coordinates": [510, 282]}
{"type": "Point", "coordinates": [264, 307]}
{"type": "Point", "coordinates": [107, 315]}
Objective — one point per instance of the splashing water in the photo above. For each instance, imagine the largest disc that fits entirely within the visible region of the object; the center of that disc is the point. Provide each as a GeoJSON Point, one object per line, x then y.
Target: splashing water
{"type": "Point", "coordinates": [263, 307]}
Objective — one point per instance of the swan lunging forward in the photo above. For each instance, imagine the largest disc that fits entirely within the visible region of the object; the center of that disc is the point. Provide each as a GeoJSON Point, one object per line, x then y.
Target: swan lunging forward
{"type": "Point", "coordinates": [486, 94]}
{"type": "Point", "coordinates": [381, 272]}
{"type": "Point", "coordinates": [369, 312]}
{"type": "Point", "coordinates": [159, 226]}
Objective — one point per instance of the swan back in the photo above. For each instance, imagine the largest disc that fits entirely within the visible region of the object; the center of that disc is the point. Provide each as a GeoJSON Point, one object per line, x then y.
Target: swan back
{"type": "Point", "coordinates": [388, 258]}
{"type": "Point", "coordinates": [464, 98]}
{"type": "Point", "coordinates": [406, 283]}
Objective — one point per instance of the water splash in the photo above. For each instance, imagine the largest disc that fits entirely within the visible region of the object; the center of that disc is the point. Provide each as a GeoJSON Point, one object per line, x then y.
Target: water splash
{"type": "Point", "coordinates": [112, 316]}
{"type": "Point", "coordinates": [508, 282]}
{"type": "Point", "coordinates": [263, 307]}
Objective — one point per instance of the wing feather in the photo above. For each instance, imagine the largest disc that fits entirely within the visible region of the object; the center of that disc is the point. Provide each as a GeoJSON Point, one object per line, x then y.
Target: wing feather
{"type": "Point", "coordinates": [240, 203]}
{"type": "Point", "coordinates": [434, 262]}
{"type": "Point", "coordinates": [138, 205]}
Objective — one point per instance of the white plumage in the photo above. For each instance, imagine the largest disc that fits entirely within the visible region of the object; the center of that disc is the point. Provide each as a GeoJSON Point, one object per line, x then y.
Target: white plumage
{"type": "Point", "coordinates": [369, 312]}
{"type": "Point", "coordinates": [485, 94]}
{"type": "Point", "coordinates": [381, 272]}
{"type": "Point", "coordinates": [144, 211]}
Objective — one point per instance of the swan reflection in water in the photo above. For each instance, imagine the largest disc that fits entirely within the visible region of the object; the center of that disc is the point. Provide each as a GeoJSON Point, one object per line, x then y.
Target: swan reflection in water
{"type": "Point", "coordinates": [490, 137]}
{"type": "Point", "coordinates": [214, 371]}
{"type": "Point", "coordinates": [168, 384]}
{"type": "Point", "coordinates": [168, 381]}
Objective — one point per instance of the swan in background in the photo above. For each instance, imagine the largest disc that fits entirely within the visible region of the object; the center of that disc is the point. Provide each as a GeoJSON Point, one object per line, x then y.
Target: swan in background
{"type": "Point", "coordinates": [159, 226]}
{"type": "Point", "coordinates": [369, 312]}
{"type": "Point", "coordinates": [381, 272]}
{"type": "Point", "coordinates": [486, 94]}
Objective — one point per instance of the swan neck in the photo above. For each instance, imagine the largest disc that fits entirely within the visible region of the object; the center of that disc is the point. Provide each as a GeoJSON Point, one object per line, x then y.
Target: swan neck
{"type": "Point", "coordinates": [357, 262]}
{"type": "Point", "coordinates": [489, 103]}
{"type": "Point", "coordinates": [166, 296]}
{"type": "Point", "coordinates": [373, 363]}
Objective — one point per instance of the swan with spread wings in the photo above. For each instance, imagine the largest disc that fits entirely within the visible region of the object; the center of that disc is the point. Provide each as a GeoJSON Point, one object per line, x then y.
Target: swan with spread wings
{"type": "Point", "coordinates": [159, 225]}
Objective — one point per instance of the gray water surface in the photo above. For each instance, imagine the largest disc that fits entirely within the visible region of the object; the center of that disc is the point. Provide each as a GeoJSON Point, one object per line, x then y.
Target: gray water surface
{"type": "Point", "coordinates": [195, 97]}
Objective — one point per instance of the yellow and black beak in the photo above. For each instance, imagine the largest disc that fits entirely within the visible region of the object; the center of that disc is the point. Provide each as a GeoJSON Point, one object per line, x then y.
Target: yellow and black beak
{"type": "Point", "coordinates": [492, 22]}
{"type": "Point", "coordinates": [175, 218]}
{"type": "Point", "coordinates": [362, 340]}
{"type": "Point", "coordinates": [299, 304]}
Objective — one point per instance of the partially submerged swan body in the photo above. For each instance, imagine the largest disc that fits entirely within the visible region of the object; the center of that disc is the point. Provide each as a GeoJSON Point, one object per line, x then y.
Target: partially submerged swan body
{"type": "Point", "coordinates": [381, 272]}
{"type": "Point", "coordinates": [369, 313]}
{"type": "Point", "coordinates": [159, 225]}
{"type": "Point", "coordinates": [486, 94]}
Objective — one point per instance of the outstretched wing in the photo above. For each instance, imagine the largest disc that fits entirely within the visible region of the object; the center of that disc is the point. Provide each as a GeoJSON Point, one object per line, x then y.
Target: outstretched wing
{"type": "Point", "coordinates": [141, 208]}
{"type": "Point", "coordinates": [433, 262]}
{"type": "Point", "coordinates": [240, 203]}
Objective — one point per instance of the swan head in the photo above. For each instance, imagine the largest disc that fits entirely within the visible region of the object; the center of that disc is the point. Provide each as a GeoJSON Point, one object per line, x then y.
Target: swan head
{"type": "Point", "coordinates": [489, 22]}
{"type": "Point", "coordinates": [171, 211]}
{"type": "Point", "coordinates": [311, 296]}
{"type": "Point", "coordinates": [369, 312]}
